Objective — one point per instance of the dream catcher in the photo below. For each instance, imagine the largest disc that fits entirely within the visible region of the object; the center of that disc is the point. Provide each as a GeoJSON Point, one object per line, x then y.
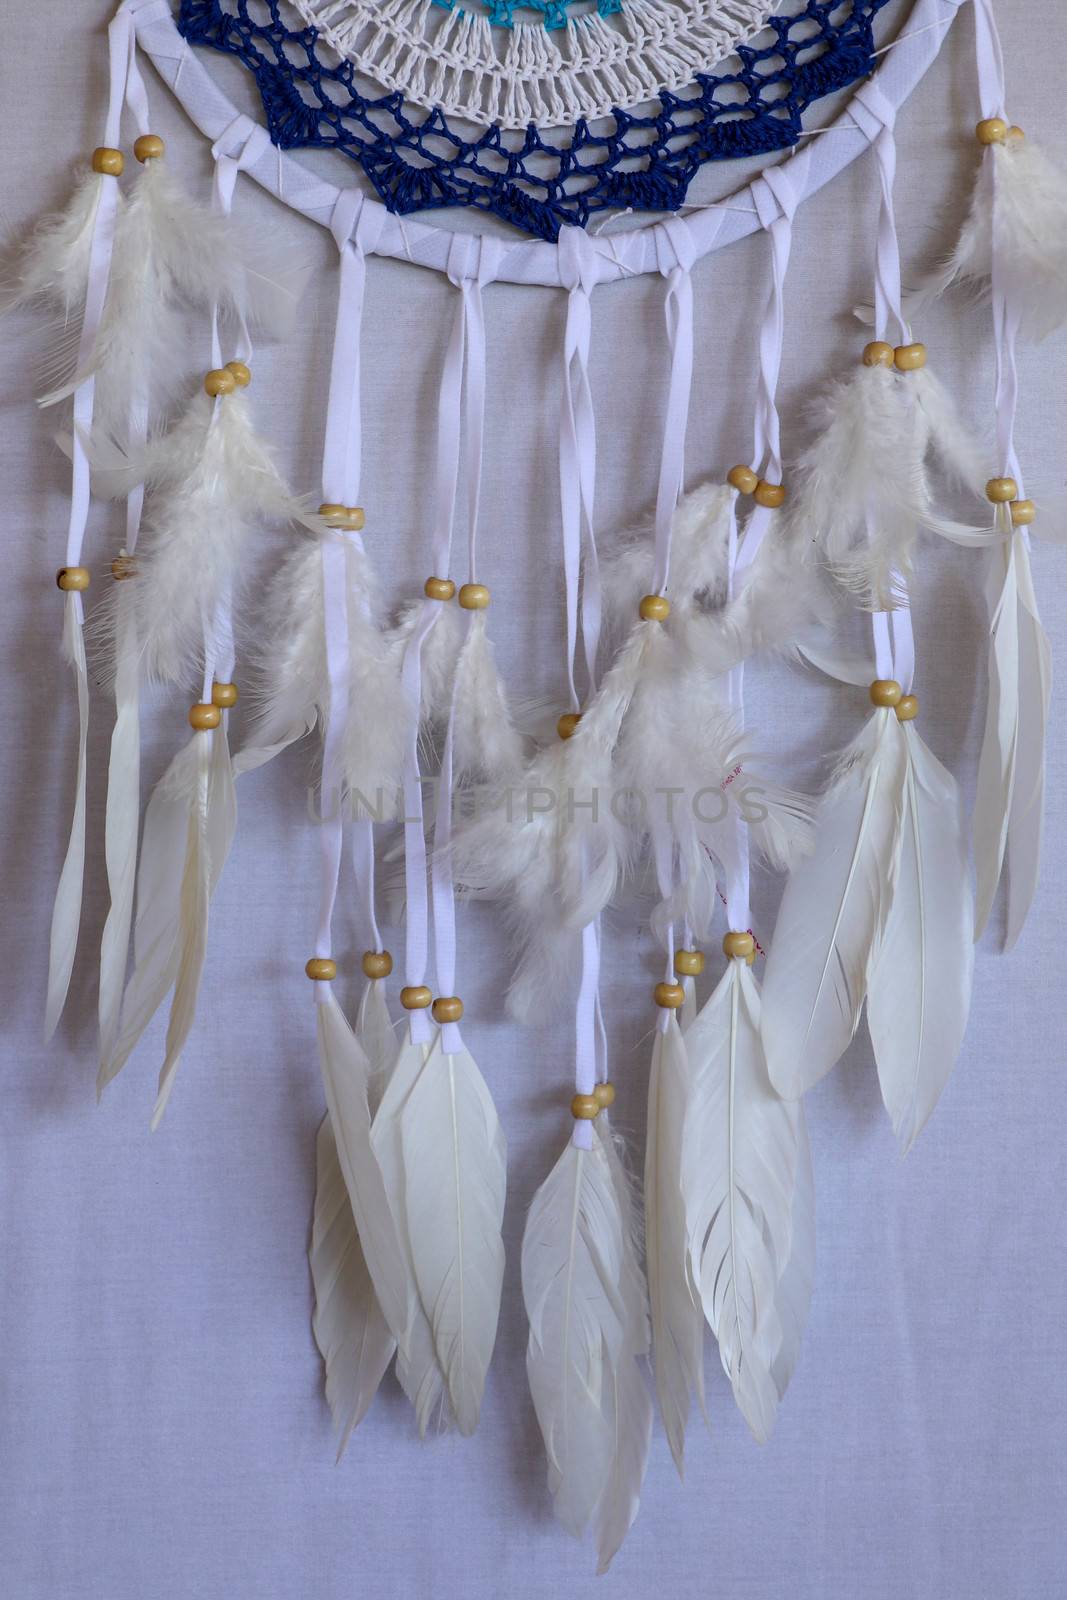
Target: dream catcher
{"type": "Point", "coordinates": [544, 119]}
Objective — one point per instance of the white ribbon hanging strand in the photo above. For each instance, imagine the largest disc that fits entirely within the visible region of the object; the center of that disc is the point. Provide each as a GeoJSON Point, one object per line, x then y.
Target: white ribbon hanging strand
{"type": "Point", "coordinates": [580, 271]}
{"type": "Point", "coordinates": [355, 231]}
{"type": "Point", "coordinates": [776, 201]}
{"type": "Point", "coordinates": [472, 415]}
{"type": "Point", "coordinates": [66, 911]}
{"type": "Point", "coordinates": [446, 479]}
{"type": "Point", "coordinates": [676, 256]}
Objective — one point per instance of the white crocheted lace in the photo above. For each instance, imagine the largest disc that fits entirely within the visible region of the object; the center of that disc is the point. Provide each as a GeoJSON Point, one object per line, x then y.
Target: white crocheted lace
{"type": "Point", "coordinates": [511, 77]}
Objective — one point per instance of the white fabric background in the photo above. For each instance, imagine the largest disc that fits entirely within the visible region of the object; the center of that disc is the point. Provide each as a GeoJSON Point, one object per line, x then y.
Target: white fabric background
{"type": "Point", "coordinates": [163, 1431]}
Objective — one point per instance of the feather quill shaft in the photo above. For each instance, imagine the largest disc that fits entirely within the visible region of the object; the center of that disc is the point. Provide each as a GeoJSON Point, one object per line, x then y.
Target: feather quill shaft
{"type": "Point", "coordinates": [120, 836]}
{"type": "Point", "coordinates": [66, 910]}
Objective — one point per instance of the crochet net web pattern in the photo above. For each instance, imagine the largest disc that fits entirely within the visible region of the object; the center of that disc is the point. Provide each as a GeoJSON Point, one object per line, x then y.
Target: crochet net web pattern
{"type": "Point", "coordinates": [540, 180]}
{"type": "Point", "coordinates": [456, 60]}
{"type": "Point", "coordinates": [553, 13]}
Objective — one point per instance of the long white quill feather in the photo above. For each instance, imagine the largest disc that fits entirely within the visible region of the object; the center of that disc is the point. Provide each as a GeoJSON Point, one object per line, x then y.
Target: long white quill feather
{"type": "Point", "coordinates": [66, 910]}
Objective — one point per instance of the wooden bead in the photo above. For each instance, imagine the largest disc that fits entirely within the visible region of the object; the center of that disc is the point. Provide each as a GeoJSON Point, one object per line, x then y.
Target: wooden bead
{"type": "Point", "coordinates": [655, 608]}
{"type": "Point", "coordinates": [123, 567]}
{"type": "Point", "coordinates": [738, 946]}
{"type": "Point", "coordinates": [567, 723]}
{"type": "Point", "coordinates": [321, 969]}
{"type": "Point", "coordinates": [885, 692]}
{"type": "Point", "coordinates": [668, 995]}
{"type": "Point", "coordinates": [415, 997]}
{"type": "Point", "coordinates": [73, 580]}
{"type": "Point", "coordinates": [377, 963]}
{"type": "Point", "coordinates": [1023, 513]}
{"type": "Point", "coordinates": [907, 708]}
{"type": "Point", "coordinates": [350, 518]}
{"type": "Point", "coordinates": [149, 147]}
{"type": "Point", "coordinates": [240, 372]}
{"type": "Point", "coordinates": [605, 1095]}
{"type": "Point", "coordinates": [447, 1008]}
{"type": "Point", "coordinates": [218, 381]}
{"type": "Point", "coordinates": [584, 1107]}
{"type": "Point", "coordinates": [224, 695]}
{"type": "Point", "coordinates": [1016, 134]}
{"type": "Point", "coordinates": [203, 717]}
{"type": "Point", "coordinates": [689, 963]}
{"type": "Point", "coordinates": [771, 495]}
{"type": "Point", "coordinates": [474, 597]}
{"type": "Point", "coordinates": [878, 354]}
{"type": "Point", "coordinates": [1002, 490]}
{"type": "Point", "coordinates": [743, 479]}
{"type": "Point", "coordinates": [438, 588]}
{"type": "Point", "coordinates": [991, 130]}
{"type": "Point", "coordinates": [107, 161]}
{"type": "Point", "coordinates": [909, 357]}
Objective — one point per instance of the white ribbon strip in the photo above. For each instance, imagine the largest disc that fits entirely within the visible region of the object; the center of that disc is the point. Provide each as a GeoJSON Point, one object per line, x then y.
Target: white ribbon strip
{"type": "Point", "coordinates": [580, 270]}
{"type": "Point", "coordinates": [676, 258]}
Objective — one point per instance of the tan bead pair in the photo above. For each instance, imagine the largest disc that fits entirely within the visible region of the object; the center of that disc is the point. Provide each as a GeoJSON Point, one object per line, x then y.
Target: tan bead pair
{"type": "Point", "coordinates": [1005, 492]}
{"type": "Point", "coordinates": [204, 716]}
{"type": "Point", "coordinates": [348, 518]}
{"type": "Point", "coordinates": [584, 1107]}
{"type": "Point", "coordinates": [446, 1008]}
{"type": "Point", "coordinates": [224, 380]}
{"type": "Point", "coordinates": [905, 357]}
{"type": "Point", "coordinates": [745, 481]}
{"type": "Point", "coordinates": [472, 596]}
{"type": "Point", "coordinates": [887, 694]}
{"type": "Point", "coordinates": [111, 163]}
{"type": "Point", "coordinates": [376, 964]}
{"type": "Point", "coordinates": [994, 130]}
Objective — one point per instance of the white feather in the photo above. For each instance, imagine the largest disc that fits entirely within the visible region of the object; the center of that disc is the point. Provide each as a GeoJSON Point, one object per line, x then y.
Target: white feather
{"type": "Point", "coordinates": [919, 977]}
{"type": "Point", "coordinates": [347, 1321]}
{"type": "Point", "coordinates": [677, 1321]}
{"type": "Point", "coordinates": [345, 1074]}
{"type": "Point", "coordinates": [188, 831]}
{"type": "Point", "coordinates": [377, 1035]}
{"type": "Point", "coordinates": [212, 818]}
{"type": "Point", "coordinates": [572, 1267]}
{"type": "Point", "coordinates": [486, 743]}
{"type": "Point", "coordinates": [1011, 775]}
{"type": "Point", "coordinates": [120, 830]}
{"type": "Point", "coordinates": [455, 1177]}
{"type": "Point", "coordinates": [417, 1366]}
{"type": "Point", "coordinates": [53, 264]}
{"type": "Point", "coordinates": [626, 1397]}
{"type": "Point", "coordinates": [833, 912]}
{"type": "Point", "coordinates": [67, 907]}
{"type": "Point", "coordinates": [740, 1154]}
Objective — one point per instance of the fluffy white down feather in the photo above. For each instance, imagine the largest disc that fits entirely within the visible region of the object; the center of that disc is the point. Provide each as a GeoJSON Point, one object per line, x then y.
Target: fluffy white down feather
{"type": "Point", "coordinates": [919, 977]}
{"type": "Point", "coordinates": [572, 1269]}
{"type": "Point", "coordinates": [834, 911]}
{"type": "Point", "coordinates": [740, 1155]}
{"type": "Point", "coordinates": [487, 747]}
{"type": "Point", "coordinates": [455, 1176]}
{"type": "Point", "coordinates": [53, 263]}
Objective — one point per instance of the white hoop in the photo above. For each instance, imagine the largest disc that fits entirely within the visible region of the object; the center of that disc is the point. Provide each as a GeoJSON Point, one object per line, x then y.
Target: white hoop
{"type": "Point", "coordinates": [626, 255]}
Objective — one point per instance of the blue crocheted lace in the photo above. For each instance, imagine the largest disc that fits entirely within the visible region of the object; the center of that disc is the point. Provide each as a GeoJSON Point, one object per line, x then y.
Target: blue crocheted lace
{"type": "Point", "coordinates": [538, 181]}
{"type": "Point", "coordinates": [553, 12]}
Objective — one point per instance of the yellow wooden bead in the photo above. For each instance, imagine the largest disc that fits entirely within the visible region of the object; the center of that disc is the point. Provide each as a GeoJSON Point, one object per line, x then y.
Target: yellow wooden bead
{"type": "Point", "coordinates": [415, 997]}
{"type": "Point", "coordinates": [321, 969]}
{"type": "Point", "coordinates": [149, 147]}
{"type": "Point", "coordinates": [218, 381]}
{"type": "Point", "coordinates": [604, 1094]}
{"type": "Point", "coordinates": [203, 717]}
{"type": "Point", "coordinates": [991, 130]}
{"type": "Point", "coordinates": [240, 372]}
{"type": "Point", "coordinates": [107, 161]}
{"type": "Point", "coordinates": [907, 708]}
{"type": "Point", "coordinates": [474, 597]}
{"type": "Point", "coordinates": [771, 495]}
{"type": "Point", "coordinates": [655, 608]}
{"type": "Point", "coordinates": [738, 946]}
{"type": "Point", "coordinates": [567, 723]}
{"type": "Point", "coordinates": [73, 580]}
{"type": "Point", "coordinates": [1016, 134]}
{"type": "Point", "coordinates": [123, 567]}
{"type": "Point", "coordinates": [224, 695]}
{"type": "Point", "coordinates": [743, 479]}
{"type": "Point", "coordinates": [377, 963]}
{"type": "Point", "coordinates": [447, 1008]}
{"type": "Point", "coordinates": [1002, 490]}
{"type": "Point", "coordinates": [878, 354]}
{"type": "Point", "coordinates": [909, 357]}
{"type": "Point", "coordinates": [350, 518]}
{"type": "Point", "coordinates": [689, 963]}
{"type": "Point", "coordinates": [668, 995]}
{"type": "Point", "coordinates": [584, 1107]}
{"type": "Point", "coordinates": [885, 692]}
{"type": "Point", "coordinates": [1023, 513]}
{"type": "Point", "coordinates": [438, 588]}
